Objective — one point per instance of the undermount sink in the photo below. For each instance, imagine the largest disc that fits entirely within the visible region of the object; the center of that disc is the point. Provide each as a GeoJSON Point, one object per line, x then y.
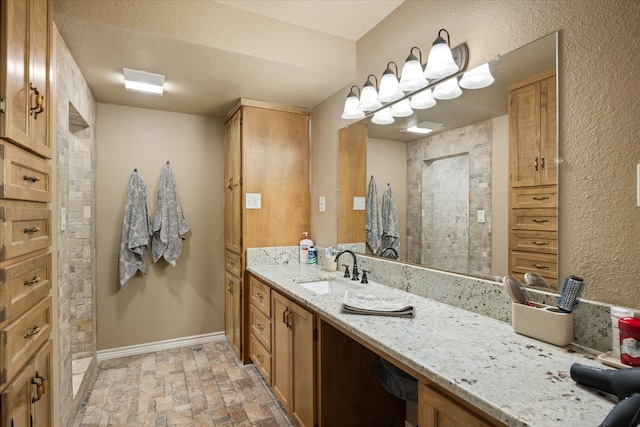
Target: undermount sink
{"type": "Point", "coordinates": [328, 286]}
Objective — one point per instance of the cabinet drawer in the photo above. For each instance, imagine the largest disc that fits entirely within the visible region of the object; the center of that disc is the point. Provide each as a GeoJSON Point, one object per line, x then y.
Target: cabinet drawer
{"type": "Point", "coordinates": [545, 242]}
{"type": "Point", "coordinates": [233, 263]}
{"type": "Point", "coordinates": [25, 176]}
{"type": "Point", "coordinates": [538, 197]}
{"type": "Point", "coordinates": [534, 219]}
{"type": "Point", "coordinates": [260, 296]}
{"type": "Point", "coordinates": [22, 285]}
{"type": "Point", "coordinates": [546, 265]}
{"type": "Point", "coordinates": [261, 358]}
{"type": "Point", "coordinates": [22, 338]}
{"type": "Point", "coordinates": [23, 230]}
{"type": "Point", "coordinates": [261, 327]}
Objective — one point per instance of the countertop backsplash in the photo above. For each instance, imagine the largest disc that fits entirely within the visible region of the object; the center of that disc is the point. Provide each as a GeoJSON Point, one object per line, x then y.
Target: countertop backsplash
{"type": "Point", "coordinates": [592, 320]}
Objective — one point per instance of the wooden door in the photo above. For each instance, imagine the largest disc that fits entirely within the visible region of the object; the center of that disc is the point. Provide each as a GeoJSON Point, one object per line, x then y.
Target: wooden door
{"type": "Point", "coordinates": [302, 368]}
{"type": "Point", "coordinates": [233, 310]}
{"type": "Point", "coordinates": [524, 136]}
{"type": "Point", "coordinates": [233, 187]}
{"type": "Point", "coordinates": [281, 357]}
{"type": "Point", "coordinates": [548, 133]}
{"type": "Point", "coordinates": [42, 385]}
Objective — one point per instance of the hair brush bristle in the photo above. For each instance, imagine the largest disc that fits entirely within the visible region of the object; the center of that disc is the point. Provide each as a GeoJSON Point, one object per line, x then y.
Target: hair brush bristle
{"type": "Point", "coordinates": [516, 290]}
{"type": "Point", "coordinates": [533, 279]}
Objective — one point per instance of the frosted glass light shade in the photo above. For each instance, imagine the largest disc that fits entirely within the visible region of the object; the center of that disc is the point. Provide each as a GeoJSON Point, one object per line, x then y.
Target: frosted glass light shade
{"type": "Point", "coordinates": [422, 100]}
{"type": "Point", "coordinates": [440, 63]}
{"type": "Point", "coordinates": [389, 91]}
{"type": "Point", "coordinates": [351, 110]}
{"type": "Point", "coordinates": [369, 98]}
{"type": "Point", "coordinates": [412, 77]}
{"type": "Point", "coordinates": [477, 78]}
{"type": "Point", "coordinates": [448, 89]}
{"type": "Point", "coordinates": [401, 109]}
{"type": "Point", "coordinates": [383, 117]}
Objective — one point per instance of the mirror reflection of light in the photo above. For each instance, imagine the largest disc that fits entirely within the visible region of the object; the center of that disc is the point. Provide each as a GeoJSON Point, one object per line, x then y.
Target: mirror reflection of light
{"type": "Point", "coordinates": [401, 109]}
{"type": "Point", "coordinates": [416, 129]}
{"type": "Point", "coordinates": [383, 117]}
{"type": "Point", "coordinates": [422, 100]}
{"type": "Point", "coordinates": [448, 89]}
{"type": "Point", "coordinates": [477, 78]}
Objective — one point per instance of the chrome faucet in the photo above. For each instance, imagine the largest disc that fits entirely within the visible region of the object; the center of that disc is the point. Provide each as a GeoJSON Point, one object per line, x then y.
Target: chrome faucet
{"type": "Point", "coordinates": [356, 274]}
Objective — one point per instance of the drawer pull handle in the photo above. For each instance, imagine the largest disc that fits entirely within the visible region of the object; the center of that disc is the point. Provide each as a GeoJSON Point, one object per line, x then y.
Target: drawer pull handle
{"type": "Point", "coordinates": [232, 263]}
{"type": "Point", "coordinates": [32, 332]}
{"type": "Point", "coordinates": [30, 178]}
{"type": "Point", "coordinates": [35, 279]}
{"type": "Point", "coordinates": [39, 108]}
{"type": "Point", "coordinates": [539, 221]}
{"type": "Point", "coordinates": [259, 295]}
{"type": "Point", "coordinates": [541, 198]}
{"type": "Point", "coordinates": [260, 327]}
{"type": "Point", "coordinates": [260, 359]}
{"type": "Point", "coordinates": [31, 230]}
{"type": "Point", "coordinates": [540, 266]}
{"type": "Point", "coordinates": [41, 387]}
{"type": "Point", "coordinates": [535, 163]}
{"type": "Point", "coordinates": [540, 243]}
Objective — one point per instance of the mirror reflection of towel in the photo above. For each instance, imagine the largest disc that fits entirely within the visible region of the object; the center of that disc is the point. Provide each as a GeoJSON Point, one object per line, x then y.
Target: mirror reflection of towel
{"type": "Point", "coordinates": [136, 229]}
{"type": "Point", "coordinates": [390, 227]}
{"type": "Point", "coordinates": [373, 221]}
{"type": "Point", "coordinates": [169, 226]}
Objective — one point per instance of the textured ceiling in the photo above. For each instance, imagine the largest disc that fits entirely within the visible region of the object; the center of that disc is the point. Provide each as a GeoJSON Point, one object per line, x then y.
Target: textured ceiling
{"type": "Point", "coordinates": [214, 52]}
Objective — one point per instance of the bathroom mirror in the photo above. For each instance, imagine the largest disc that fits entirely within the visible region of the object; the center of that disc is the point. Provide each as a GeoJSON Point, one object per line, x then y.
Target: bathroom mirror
{"type": "Point", "coordinates": [471, 136]}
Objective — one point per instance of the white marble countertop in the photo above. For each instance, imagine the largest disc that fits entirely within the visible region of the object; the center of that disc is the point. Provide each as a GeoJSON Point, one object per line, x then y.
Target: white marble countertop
{"type": "Point", "coordinates": [518, 380]}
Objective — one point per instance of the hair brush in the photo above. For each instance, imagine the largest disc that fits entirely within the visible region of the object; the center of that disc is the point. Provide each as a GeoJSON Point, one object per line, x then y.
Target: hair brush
{"type": "Point", "coordinates": [516, 290]}
{"type": "Point", "coordinates": [533, 279]}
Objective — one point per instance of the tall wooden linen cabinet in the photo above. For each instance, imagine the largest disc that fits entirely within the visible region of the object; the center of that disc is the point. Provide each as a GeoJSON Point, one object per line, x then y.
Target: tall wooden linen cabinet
{"type": "Point", "coordinates": [533, 195]}
{"type": "Point", "coordinates": [266, 196]}
{"type": "Point", "coordinates": [25, 211]}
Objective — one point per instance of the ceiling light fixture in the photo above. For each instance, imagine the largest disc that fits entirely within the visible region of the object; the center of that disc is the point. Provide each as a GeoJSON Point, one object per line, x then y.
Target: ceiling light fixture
{"type": "Point", "coordinates": [389, 91]}
{"type": "Point", "coordinates": [401, 109]}
{"type": "Point", "coordinates": [143, 82]}
{"type": "Point", "coordinates": [448, 89]}
{"type": "Point", "coordinates": [412, 76]}
{"type": "Point", "coordinates": [440, 63]}
{"type": "Point", "coordinates": [383, 117]}
{"type": "Point", "coordinates": [369, 95]}
{"type": "Point", "coordinates": [351, 110]}
{"type": "Point", "coordinates": [422, 100]}
{"type": "Point", "coordinates": [477, 78]}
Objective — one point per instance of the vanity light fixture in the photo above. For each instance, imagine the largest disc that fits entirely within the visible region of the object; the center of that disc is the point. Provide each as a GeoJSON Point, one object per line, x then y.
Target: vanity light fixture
{"type": "Point", "coordinates": [351, 110]}
{"type": "Point", "coordinates": [422, 100]}
{"type": "Point", "coordinates": [440, 63]}
{"type": "Point", "coordinates": [389, 91]}
{"type": "Point", "coordinates": [412, 75]}
{"type": "Point", "coordinates": [401, 109]}
{"type": "Point", "coordinates": [369, 95]}
{"type": "Point", "coordinates": [143, 82]}
{"type": "Point", "coordinates": [477, 78]}
{"type": "Point", "coordinates": [448, 89]}
{"type": "Point", "coordinates": [383, 117]}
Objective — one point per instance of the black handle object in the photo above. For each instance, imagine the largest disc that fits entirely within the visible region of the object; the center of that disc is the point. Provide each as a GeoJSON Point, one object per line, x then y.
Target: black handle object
{"type": "Point", "coordinates": [624, 414]}
{"type": "Point", "coordinates": [623, 383]}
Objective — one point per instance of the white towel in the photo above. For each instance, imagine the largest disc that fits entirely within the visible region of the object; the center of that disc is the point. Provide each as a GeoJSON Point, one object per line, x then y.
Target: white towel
{"type": "Point", "coordinates": [373, 221]}
{"type": "Point", "coordinates": [169, 227]}
{"type": "Point", "coordinates": [136, 229]}
{"type": "Point", "coordinates": [390, 227]}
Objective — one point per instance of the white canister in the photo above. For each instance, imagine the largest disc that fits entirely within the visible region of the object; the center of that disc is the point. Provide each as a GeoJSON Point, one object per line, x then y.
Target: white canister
{"type": "Point", "coordinates": [330, 263]}
{"type": "Point", "coordinates": [617, 313]}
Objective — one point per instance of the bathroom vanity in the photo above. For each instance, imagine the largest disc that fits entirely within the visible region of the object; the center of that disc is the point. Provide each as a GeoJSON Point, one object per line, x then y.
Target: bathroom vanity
{"type": "Point", "coordinates": [471, 369]}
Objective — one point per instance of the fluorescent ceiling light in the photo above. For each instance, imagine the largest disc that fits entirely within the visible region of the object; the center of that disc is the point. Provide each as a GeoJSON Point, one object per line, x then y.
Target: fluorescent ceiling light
{"type": "Point", "coordinates": [424, 127]}
{"type": "Point", "coordinates": [143, 82]}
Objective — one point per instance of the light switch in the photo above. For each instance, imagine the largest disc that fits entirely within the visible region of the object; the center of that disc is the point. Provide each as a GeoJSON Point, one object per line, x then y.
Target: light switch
{"type": "Point", "coordinates": [358, 203]}
{"type": "Point", "coordinates": [253, 201]}
{"type": "Point", "coordinates": [322, 204]}
{"type": "Point", "coordinates": [481, 216]}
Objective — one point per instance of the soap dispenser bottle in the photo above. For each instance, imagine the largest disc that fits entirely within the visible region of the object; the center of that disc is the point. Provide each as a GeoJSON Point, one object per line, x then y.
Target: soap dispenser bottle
{"type": "Point", "coordinates": [305, 244]}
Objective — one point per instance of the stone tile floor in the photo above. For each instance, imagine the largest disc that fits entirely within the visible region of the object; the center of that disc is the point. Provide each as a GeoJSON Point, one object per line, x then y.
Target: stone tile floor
{"type": "Point", "coordinates": [202, 385]}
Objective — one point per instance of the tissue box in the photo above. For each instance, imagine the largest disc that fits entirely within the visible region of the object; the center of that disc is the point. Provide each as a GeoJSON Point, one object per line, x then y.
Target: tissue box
{"type": "Point", "coordinates": [543, 322]}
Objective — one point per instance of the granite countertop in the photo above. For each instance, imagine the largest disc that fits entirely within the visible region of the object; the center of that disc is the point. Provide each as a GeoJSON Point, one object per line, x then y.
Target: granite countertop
{"type": "Point", "coordinates": [518, 380]}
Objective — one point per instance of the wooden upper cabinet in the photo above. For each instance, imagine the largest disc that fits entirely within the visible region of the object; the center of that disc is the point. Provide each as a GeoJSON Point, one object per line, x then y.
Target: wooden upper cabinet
{"type": "Point", "coordinates": [25, 79]}
{"type": "Point", "coordinates": [233, 184]}
{"type": "Point", "coordinates": [532, 132]}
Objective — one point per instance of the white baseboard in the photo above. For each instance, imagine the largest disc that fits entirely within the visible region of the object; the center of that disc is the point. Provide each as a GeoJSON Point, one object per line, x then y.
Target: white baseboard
{"type": "Point", "coordinates": [151, 347]}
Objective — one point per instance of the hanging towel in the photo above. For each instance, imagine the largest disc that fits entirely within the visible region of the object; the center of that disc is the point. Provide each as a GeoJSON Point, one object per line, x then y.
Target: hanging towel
{"type": "Point", "coordinates": [169, 226]}
{"type": "Point", "coordinates": [390, 228]}
{"type": "Point", "coordinates": [136, 229]}
{"type": "Point", "coordinates": [373, 220]}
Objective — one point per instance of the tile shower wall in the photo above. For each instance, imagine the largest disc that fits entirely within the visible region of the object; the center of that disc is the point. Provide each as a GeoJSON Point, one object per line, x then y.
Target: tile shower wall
{"type": "Point", "coordinates": [75, 284]}
{"type": "Point", "coordinates": [432, 163]}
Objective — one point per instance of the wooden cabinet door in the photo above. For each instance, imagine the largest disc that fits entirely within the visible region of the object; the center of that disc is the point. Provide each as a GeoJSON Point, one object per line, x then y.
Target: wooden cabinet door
{"type": "Point", "coordinates": [302, 370]}
{"type": "Point", "coordinates": [25, 85]}
{"type": "Point", "coordinates": [437, 410]}
{"type": "Point", "coordinates": [233, 310]}
{"type": "Point", "coordinates": [42, 384]}
{"type": "Point", "coordinates": [548, 133]}
{"type": "Point", "coordinates": [233, 187]}
{"type": "Point", "coordinates": [524, 135]}
{"type": "Point", "coordinates": [281, 356]}
{"type": "Point", "coordinates": [15, 401]}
